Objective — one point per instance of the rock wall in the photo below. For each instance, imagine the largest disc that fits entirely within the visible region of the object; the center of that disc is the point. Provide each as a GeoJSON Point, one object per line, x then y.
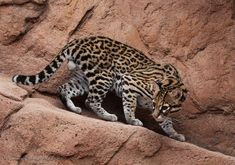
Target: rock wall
{"type": "Point", "coordinates": [197, 37]}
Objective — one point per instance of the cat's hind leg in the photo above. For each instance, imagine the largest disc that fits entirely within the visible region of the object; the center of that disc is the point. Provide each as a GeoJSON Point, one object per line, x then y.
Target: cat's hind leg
{"type": "Point", "coordinates": [77, 86]}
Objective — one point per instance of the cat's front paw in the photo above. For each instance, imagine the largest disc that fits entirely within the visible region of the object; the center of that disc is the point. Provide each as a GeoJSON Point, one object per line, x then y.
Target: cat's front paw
{"type": "Point", "coordinates": [135, 122]}
{"type": "Point", "coordinates": [179, 137]}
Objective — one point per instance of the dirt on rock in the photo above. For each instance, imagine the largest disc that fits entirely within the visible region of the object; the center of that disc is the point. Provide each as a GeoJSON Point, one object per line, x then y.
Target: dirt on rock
{"type": "Point", "coordinates": [197, 37]}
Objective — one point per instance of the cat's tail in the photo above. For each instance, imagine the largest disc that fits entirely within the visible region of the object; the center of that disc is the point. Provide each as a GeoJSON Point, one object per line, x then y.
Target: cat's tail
{"type": "Point", "coordinates": [42, 76]}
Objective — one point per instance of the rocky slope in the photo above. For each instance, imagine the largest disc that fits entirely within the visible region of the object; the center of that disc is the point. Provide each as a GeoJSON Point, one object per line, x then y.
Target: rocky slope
{"type": "Point", "coordinates": [198, 37]}
{"type": "Point", "coordinates": [33, 131]}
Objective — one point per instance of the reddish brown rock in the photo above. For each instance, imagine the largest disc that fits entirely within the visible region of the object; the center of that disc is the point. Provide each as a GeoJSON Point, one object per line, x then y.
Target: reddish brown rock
{"type": "Point", "coordinates": [198, 37]}
{"type": "Point", "coordinates": [43, 134]}
{"type": "Point", "coordinates": [9, 90]}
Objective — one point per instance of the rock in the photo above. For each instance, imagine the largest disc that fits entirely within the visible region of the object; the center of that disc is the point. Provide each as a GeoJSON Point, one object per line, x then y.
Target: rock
{"type": "Point", "coordinates": [8, 89]}
{"type": "Point", "coordinates": [8, 107]}
{"type": "Point", "coordinates": [198, 38]}
{"type": "Point", "coordinates": [43, 134]}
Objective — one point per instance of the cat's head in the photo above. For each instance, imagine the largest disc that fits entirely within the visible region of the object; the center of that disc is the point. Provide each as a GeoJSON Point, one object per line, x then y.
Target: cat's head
{"type": "Point", "coordinates": [169, 98]}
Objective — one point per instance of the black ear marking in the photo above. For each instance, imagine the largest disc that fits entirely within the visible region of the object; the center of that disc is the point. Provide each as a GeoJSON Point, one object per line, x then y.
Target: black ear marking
{"type": "Point", "coordinates": [160, 85]}
{"type": "Point", "coordinates": [158, 82]}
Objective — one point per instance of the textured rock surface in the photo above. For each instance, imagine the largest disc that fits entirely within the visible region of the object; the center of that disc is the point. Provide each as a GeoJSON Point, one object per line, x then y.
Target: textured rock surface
{"type": "Point", "coordinates": [198, 37]}
{"type": "Point", "coordinates": [34, 131]}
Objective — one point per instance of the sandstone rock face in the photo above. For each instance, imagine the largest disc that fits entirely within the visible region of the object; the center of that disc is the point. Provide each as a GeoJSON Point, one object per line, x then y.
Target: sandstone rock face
{"type": "Point", "coordinates": [36, 132]}
{"type": "Point", "coordinates": [197, 37]}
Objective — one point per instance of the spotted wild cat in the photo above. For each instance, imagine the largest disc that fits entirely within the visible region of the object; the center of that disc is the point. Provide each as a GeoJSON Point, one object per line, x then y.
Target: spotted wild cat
{"type": "Point", "coordinates": [107, 65]}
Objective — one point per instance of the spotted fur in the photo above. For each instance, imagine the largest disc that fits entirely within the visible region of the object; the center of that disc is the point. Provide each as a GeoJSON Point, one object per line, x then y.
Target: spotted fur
{"type": "Point", "coordinates": [106, 65]}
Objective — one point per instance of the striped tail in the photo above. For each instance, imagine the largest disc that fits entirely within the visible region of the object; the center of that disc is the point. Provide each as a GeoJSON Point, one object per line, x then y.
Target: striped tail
{"type": "Point", "coordinates": [42, 76]}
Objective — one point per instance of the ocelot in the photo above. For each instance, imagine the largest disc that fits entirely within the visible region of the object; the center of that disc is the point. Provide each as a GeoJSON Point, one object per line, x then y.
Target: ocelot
{"type": "Point", "coordinates": [100, 65]}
